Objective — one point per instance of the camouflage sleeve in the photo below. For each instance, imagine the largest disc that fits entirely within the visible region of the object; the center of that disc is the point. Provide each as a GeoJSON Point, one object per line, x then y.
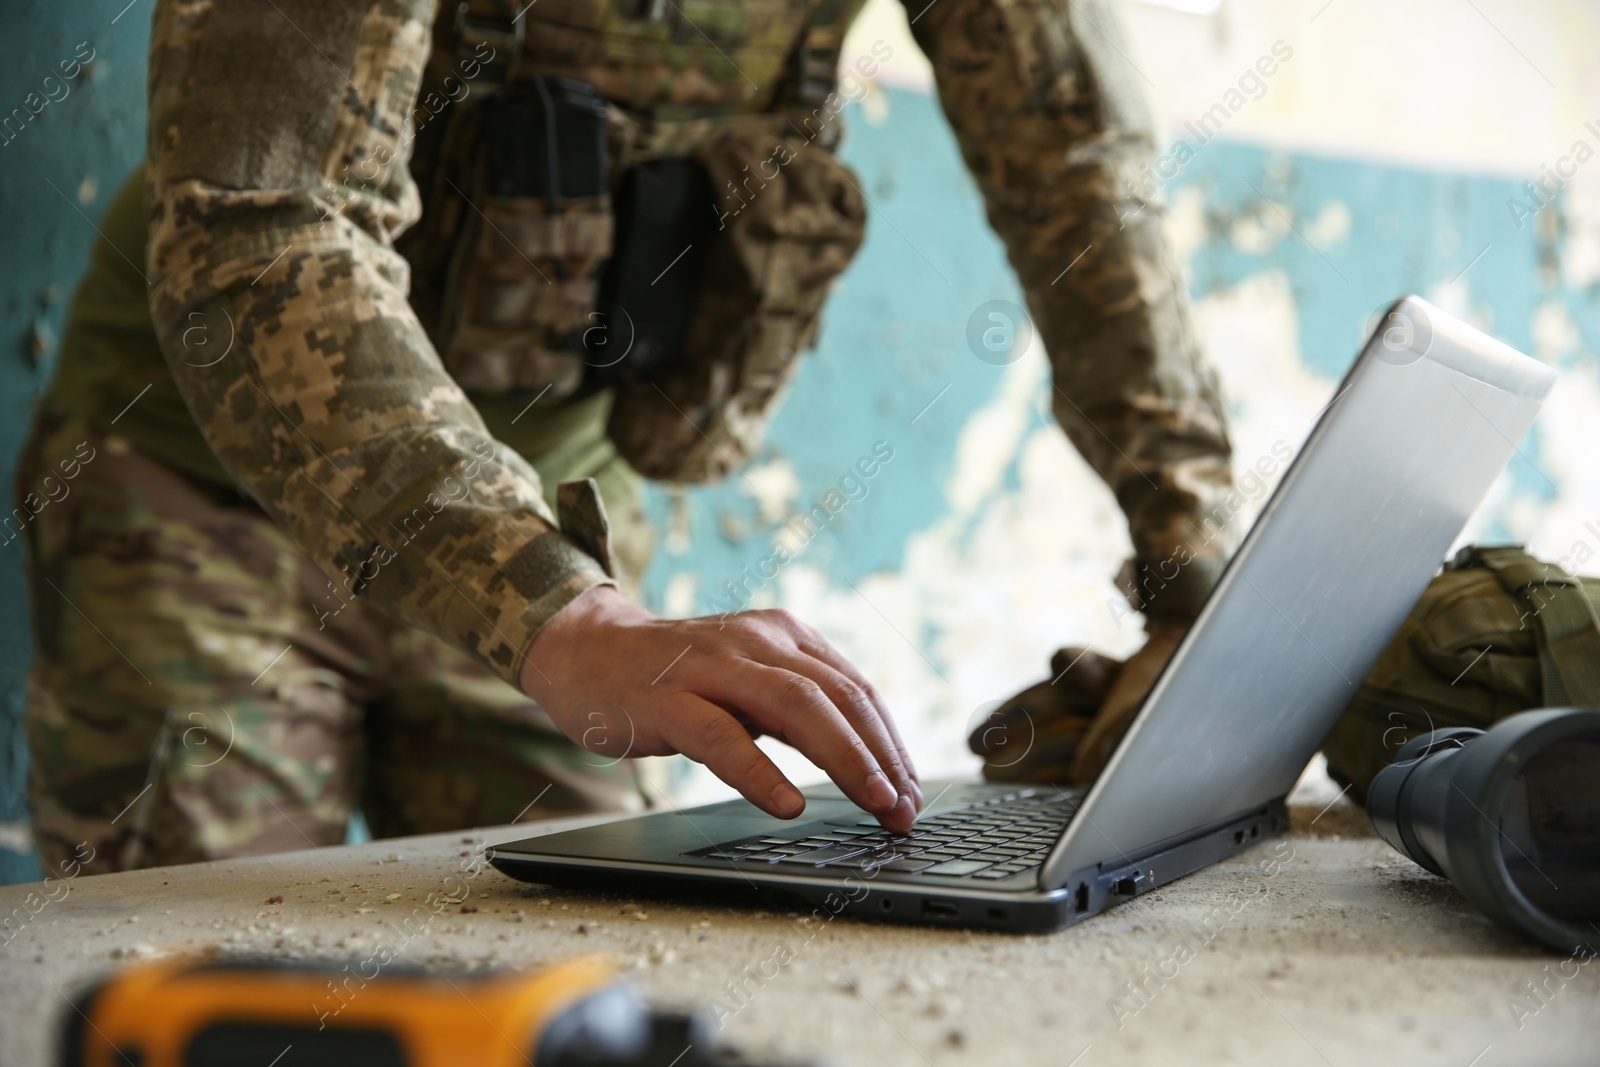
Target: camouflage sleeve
{"type": "Point", "coordinates": [279, 136]}
{"type": "Point", "coordinates": [1054, 127]}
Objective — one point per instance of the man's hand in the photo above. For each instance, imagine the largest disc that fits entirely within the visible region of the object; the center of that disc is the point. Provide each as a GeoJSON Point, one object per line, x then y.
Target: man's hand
{"type": "Point", "coordinates": [1064, 730]}
{"type": "Point", "coordinates": [620, 681]}
{"type": "Point", "coordinates": [1124, 700]}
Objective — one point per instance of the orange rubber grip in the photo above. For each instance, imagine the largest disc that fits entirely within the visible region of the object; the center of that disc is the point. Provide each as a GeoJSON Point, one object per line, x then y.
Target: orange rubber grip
{"type": "Point", "coordinates": [186, 1012]}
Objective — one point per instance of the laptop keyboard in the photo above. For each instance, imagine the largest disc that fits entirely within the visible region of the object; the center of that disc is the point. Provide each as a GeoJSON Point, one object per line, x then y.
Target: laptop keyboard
{"type": "Point", "coordinates": [995, 838]}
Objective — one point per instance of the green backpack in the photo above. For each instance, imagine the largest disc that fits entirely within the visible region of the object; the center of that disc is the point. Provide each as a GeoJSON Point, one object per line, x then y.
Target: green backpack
{"type": "Point", "coordinates": [1497, 632]}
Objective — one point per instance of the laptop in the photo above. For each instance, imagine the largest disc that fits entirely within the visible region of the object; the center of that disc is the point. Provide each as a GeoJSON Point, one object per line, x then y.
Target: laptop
{"type": "Point", "coordinates": [1420, 427]}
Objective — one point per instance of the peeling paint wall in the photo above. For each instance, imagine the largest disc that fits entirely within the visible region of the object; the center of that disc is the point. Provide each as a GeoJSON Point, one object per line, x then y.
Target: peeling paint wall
{"type": "Point", "coordinates": [1368, 165]}
{"type": "Point", "coordinates": [1380, 158]}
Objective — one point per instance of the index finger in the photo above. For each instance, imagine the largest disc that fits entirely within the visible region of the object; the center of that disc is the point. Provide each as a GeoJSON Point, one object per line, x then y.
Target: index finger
{"type": "Point", "coordinates": [796, 709]}
{"type": "Point", "coordinates": [817, 646]}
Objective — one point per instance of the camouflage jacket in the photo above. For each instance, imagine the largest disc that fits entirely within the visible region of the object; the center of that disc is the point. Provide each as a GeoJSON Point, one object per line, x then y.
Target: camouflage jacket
{"type": "Point", "coordinates": [277, 184]}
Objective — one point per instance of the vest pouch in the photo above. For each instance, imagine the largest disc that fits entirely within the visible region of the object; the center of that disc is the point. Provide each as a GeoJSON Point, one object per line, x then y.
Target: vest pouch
{"type": "Point", "coordinates": [788, 220]}
{"type": "Point", "coordinates": [1496, 633]}
{"type": "Point", "coordinates": [534, 231]}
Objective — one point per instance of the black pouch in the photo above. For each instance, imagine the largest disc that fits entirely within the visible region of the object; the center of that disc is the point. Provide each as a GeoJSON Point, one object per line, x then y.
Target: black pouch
{"type": "Point", "coordinates": [665, 225]}
{"type": "Point", "coordinates": [545, 139]}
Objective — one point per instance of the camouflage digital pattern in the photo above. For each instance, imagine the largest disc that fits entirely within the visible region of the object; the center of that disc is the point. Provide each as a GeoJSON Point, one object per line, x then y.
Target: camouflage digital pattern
{"type": "Point", "coordinates": [523, 287]}
{"type": "Point", "coordinates": [503, 284]}
{"type": "Point", "coordinates": [202, 690]}
{"type": "Point", "coordinates": [1054, 128]}
{"type": "Point", "coordinates": [277, 182]}
{"type": "Point", "coordinates": [686, 58]}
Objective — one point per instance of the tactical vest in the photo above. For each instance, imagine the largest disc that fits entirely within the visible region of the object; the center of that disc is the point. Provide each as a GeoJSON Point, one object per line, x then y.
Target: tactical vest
{"type": "Point", "coordinates": [639, 195]}
{"type": "Point", "coordinates": [1498, 632]}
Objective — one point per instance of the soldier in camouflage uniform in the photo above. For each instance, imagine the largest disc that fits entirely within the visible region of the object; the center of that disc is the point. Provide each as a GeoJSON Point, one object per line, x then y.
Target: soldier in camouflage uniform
{"type": "Point", "coordinates": [312, 564]}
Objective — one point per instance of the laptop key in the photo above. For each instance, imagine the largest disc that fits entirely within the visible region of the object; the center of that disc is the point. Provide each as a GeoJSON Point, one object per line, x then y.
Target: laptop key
{"type": "Point", "coordinates": [957, 867]}
{"type": "Point", "coordinates": [817, 857]}
{"type": "Point", "coordinates": [871, 859]}
{"type": "Point", "coordinates": [875, 844]}
{"type": "Point", "coordinates": [911, 866]}
{"type": "Point", "coordinates": [993, 872]}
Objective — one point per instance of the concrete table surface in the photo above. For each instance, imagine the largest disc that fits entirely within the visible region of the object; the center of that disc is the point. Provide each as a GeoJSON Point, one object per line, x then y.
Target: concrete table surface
{"type": "Point", "coordinates": [1323, 948]}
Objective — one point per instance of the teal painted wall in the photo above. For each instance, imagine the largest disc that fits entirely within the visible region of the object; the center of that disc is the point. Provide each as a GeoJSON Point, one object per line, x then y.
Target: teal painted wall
{"type": "Point", "coordinates": [58, 169]}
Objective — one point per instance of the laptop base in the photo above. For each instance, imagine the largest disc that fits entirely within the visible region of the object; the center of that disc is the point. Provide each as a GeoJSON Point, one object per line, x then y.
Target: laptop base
{"type": "Point", "coordinates": [882, 896]}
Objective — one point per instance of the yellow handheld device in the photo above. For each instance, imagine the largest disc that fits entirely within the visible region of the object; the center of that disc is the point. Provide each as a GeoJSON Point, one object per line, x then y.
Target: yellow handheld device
{"type": "Point", "coordinates": [198, 1013]}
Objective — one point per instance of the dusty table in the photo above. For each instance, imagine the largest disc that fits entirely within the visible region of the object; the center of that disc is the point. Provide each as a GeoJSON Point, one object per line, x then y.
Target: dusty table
{"type": "Point", "coordinates": [1324, 948]}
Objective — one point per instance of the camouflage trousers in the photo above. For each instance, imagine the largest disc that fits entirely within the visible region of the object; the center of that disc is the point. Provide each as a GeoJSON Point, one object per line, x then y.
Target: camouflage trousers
{"type": "Point", "coordinates": [201, 691]}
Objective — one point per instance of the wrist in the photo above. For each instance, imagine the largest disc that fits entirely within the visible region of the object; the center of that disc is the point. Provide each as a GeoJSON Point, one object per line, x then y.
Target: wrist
{"type": "Point", "coordinates": [572, 627]}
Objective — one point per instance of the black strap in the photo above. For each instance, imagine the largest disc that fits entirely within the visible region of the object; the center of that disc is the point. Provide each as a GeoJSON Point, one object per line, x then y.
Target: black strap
{"type": "Point", "coordinates": [1566, 625]}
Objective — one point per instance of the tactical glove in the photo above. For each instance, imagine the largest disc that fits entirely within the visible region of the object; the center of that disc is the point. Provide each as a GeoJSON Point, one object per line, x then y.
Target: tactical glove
{"type": "Point", "coordinates": [1063, 730]}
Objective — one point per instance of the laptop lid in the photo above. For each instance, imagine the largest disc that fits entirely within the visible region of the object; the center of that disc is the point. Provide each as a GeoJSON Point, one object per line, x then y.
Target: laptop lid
{"type": "Point", "coordinates": [1418, 431]}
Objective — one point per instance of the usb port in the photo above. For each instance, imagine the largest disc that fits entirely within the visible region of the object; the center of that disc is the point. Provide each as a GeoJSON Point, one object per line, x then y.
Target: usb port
{"type": "Point", "coordinates": [939, 909]}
